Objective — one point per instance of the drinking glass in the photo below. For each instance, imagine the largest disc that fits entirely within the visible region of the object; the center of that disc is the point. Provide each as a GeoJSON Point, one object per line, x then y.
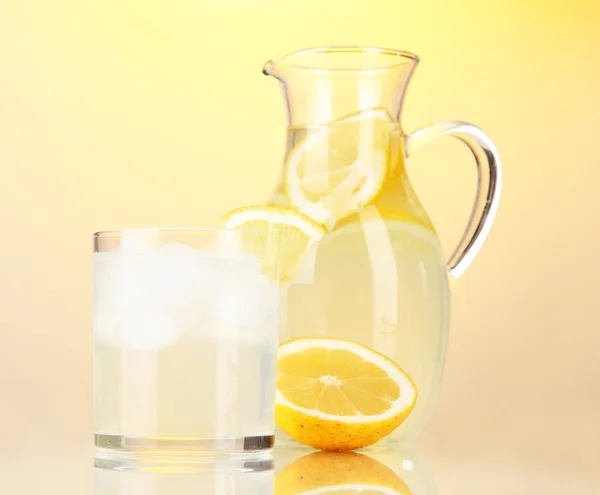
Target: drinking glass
{"type": "Point", "coordinates": [185, 342]}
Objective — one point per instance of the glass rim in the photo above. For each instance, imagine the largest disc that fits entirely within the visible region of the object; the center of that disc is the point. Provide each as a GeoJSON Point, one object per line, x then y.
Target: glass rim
{"type": "Point", "coordinates": [409, 58]}
{"type": "Point", "coordinates": [117, 233]}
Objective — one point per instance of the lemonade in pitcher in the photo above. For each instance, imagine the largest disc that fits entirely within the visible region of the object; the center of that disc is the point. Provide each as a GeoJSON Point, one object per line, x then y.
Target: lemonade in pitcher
{"type": "Point", "coordinates": [367, 298]}
{"type": "Point", "coordinates": [378, 277]}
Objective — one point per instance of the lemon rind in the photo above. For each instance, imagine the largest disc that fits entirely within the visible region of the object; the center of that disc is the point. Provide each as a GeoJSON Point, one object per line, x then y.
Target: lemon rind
{"type": "Point", "coordinates": [273, 215]}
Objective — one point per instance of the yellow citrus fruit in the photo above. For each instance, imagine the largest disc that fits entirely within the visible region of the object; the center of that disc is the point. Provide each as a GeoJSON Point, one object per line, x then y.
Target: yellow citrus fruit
{"type": "Point", "coordinates": [338, 168]}
{"type": "Point", "coordinates": [342, 473]}
{"type": "Point", "coordinates": [282, 236]}
{"type": "Point", "coordinates": [339, 395]}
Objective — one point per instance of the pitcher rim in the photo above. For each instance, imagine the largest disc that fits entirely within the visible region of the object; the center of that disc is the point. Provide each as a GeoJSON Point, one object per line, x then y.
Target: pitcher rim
{"type": "Point", "coordinates": [408, 58]}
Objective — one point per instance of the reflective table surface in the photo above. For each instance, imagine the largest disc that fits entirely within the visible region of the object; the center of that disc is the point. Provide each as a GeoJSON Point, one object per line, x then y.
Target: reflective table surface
{"type": "Point", "coordinates": [296, 470]}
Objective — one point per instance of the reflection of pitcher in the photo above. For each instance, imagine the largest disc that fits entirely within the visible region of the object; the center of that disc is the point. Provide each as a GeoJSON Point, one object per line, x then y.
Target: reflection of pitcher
{"type": "Point", "coordinates": [378, 277]}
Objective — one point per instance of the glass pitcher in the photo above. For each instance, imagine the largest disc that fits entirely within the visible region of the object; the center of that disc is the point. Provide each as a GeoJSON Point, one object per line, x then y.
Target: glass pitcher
{"type": "Point", "coordinates": [378, 277]}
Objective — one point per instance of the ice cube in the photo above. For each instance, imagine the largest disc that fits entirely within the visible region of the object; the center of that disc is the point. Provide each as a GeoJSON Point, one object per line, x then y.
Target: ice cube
{"type": "Point", "coordinates": [119, 281]}
{"type": "Point", "coordinates": [180, 277]}
{"type": "Point", "coordinates": [246, 303]}
{"type": "Point", "coordinates": [147, 300]}
{"type": "Point", "coordinates": [128, 311]}
{"type": "Point", "coordinates": [139, 241]}
{"type": "Point", "coordinates": [147, 326]}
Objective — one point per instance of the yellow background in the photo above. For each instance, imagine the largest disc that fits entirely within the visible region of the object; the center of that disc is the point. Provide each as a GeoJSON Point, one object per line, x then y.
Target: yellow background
{"type": "Point", "coordinates": [136, 113]}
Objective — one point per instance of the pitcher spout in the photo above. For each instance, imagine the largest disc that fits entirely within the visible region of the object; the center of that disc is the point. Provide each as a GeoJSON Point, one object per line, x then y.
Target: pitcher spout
{"type": "Point", "coordinates": [326, 83]}
{"type": "Point", "coordinates": [267, 68]}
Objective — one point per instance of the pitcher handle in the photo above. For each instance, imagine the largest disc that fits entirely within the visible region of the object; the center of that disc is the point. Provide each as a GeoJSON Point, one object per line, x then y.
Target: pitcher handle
{"type": "Point", "coordinates": [489, 184]}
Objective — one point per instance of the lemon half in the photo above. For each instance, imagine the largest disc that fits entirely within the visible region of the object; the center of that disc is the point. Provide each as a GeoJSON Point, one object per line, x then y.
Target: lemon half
{"type": "Point", "coordinates": [339, 395]}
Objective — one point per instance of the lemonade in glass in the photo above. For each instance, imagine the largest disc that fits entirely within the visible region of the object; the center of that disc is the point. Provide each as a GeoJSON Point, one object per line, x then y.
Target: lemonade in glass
{"type": "Point", "coordinates": [185, 341]}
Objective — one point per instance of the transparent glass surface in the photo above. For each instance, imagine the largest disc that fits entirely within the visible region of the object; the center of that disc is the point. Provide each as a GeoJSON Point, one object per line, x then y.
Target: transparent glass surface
{"type": "Point", "coordinates": [185, 341]}
{"type": "Point", "coordinates": [379, 276]}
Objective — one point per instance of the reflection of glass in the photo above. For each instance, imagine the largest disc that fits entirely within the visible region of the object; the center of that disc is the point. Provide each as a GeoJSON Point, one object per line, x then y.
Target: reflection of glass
{"type": "Point", "coordinates": [379, 276]}
{"type": "Point", "coordinates": [380, 472]}
{"type": "Point", "coordinates": [221, 478]}
{"type": "Point", "coordinates": [185, 341]}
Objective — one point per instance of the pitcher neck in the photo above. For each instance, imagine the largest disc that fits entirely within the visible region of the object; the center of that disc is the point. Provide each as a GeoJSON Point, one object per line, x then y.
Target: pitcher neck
{"type": "Point", "coordinates": [321, 85]}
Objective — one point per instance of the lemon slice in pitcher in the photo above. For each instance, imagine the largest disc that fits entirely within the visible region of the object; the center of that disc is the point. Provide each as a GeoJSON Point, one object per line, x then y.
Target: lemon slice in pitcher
{"type": "Point", "coordinates": [339, 395]}
{"type": "Point", "coordinates": [338, 168]}
{"type": "Point", "coordinates": [281, 235]}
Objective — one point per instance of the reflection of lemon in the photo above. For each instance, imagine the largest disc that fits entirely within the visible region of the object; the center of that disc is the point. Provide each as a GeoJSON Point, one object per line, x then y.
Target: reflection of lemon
{"type": "Point", "coordinates": [342, 473]}
{"type": "Point", "coordinates": [339, 168]}
{"type": "Point", "coordinates": [283, 236]}
{"type": "Point", "coordinates": [339, 395]}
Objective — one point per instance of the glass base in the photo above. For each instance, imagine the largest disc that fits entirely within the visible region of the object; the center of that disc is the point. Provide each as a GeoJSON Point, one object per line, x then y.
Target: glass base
{"type": "Point", "coordinates": [186, 446]}
{"type": "Point", "coordinates": [252, 463]}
